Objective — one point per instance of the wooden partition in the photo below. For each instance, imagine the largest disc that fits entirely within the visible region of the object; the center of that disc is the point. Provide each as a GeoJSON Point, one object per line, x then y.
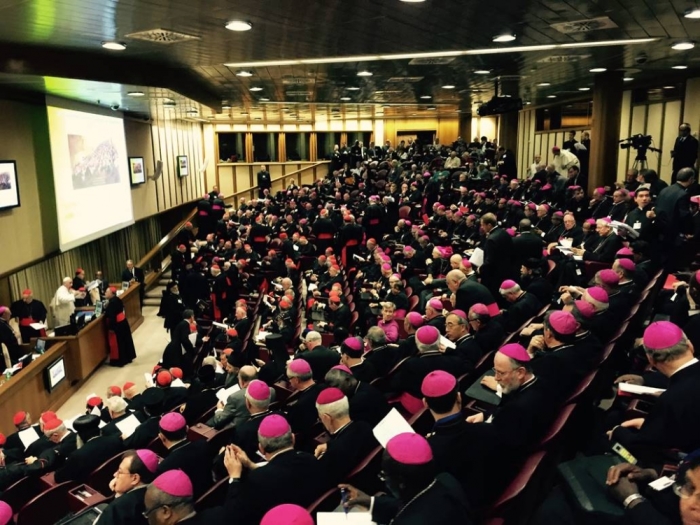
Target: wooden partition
{"type": "Point", "coordinates": [240, 179]}
{"type": "Point", "coordinates": [82, 354]}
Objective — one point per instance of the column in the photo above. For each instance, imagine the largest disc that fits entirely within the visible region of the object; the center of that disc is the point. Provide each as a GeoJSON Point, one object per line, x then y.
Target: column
{"type": "Point", "coordinates": [508, 131]}
{"type": "Point", "coordinates": [605, 133]}
{"type": "Point", "coordinates": [465, 127]}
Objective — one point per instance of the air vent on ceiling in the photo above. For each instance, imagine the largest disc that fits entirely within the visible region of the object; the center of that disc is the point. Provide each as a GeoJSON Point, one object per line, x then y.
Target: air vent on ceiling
{"type": "Point", "coordinates": [405, 79]}
{"type": "Point", "coordinates": [162, 36]}
{"type": "Point", "coordinates": [562, 59]}
{"type": "Point", "coordinates": [436, 61]}
{"type": "Point", "coordinates": [584, 26]}
{"type": "Point", "coordinates": [298, 81]}
{"type": "Point", "coordinates": [298, 93]}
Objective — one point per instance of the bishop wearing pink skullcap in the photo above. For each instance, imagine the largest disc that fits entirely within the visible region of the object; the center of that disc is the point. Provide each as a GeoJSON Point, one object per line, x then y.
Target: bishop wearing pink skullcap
{"type": "Point", "coordinates": [352, 350]}
{"type": "Point", "coordinates": [350, 441]}
{"type": "Point", "coordinates": [136, 470]}
{"type": "Point", "coordinates": [287, 514]}
{"type": "Point", "coordinates": [674, 419]}
{"type": "Point", "coordinates": [170, 499]}
{"type": "Point", "coordinates": [6, 513]}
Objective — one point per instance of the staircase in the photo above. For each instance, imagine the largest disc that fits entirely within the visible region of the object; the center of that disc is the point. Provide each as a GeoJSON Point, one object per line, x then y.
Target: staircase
{"type": "Point", "coordinates": [155, 293]}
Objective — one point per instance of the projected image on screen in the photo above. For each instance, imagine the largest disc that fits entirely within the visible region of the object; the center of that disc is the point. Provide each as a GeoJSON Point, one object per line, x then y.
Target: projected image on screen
{"type": "Point", "coordinates": [94, 163]}
{"type": "Point", "coordinates": [91, 175]}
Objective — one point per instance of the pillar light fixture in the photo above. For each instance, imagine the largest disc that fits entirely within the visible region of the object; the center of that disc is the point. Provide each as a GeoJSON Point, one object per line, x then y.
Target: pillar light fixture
{"type": "Point", "coordinates": [683, 46]}
{"type": "Point", "coordinates": [239, 25]}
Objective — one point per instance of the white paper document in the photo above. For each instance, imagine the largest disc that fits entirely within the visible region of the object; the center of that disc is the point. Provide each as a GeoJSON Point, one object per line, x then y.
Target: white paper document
{"type": "Point", "coordinates": [392, 425]}
{"type": "Point", "coordinates": [262, 335]}
{"type": "Point", "coordinates": [477, 258]}
{"type": "Point", "coordinates": [193, 338]}
{"type": "Point", "coordinates": [313, 287]}
{"type": "Point", "coordinates": [638, 389]}
{"type": "Point", "coordinates": [178, 382]}
{"type": "Point", "coordinates": [149, 380]}
{"type": "Point", "coordinates": [38, 326]}
{"type": "Point", "coordinates": [128, 425]}
{"type": "Point", "coordinates": [338, 518]}
{"type": "Point", "coordinates": [444, 341]}
{"type": "Point", "coordinates": [220, 325]}
{"type": "Point", "coordinates": [28, 436]}
{"type": "Point", "coordinates": [223, 393]}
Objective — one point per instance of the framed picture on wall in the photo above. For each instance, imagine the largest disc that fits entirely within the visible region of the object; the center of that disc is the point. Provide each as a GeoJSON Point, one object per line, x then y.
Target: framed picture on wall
{"type": "Point", "coordinates": [9, 189]}
{"type": "Point", "coordinates": [183, 166]}
{"type": "Point", "coordinates": [137, 171]}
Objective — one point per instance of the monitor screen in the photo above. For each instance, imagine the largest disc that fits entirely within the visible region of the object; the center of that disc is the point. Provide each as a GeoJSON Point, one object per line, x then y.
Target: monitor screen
{"type": "Point", "coordinates": [98, 308]}
{"type": "Point", "coordinates": [40, 346]}
{"type": "Point", "coordinates": [55, 373]}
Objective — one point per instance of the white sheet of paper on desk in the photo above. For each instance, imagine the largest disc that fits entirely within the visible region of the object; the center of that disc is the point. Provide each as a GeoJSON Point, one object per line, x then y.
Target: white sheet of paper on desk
{"type": "Point", "coordinates": [564, 249]}
{"type": "Point", "coordinates": [223, 393]}
{"type": "Point", "coordinates": [27, 437]}
{"type": "Point", "coordinates": [639, 389]}
{"type": "Point", "coordinates": [477, 258]}
{"type": "Point", "coordinates": [177, 382]}
{"type": "Point", "coordinates": [312, 287]}
{"type": "Point", "coordinates": [128, 425]}
{"type": "Point", "coordinates": [149, 380]}
{"type": "Point", "coordinates": [38, 326]}
{"type": "Point", "coordinates": [444, 341]}
{"type": "Point", "coordinates": [262, 335]}
{"type": "Point", "coordinates": [392, 425]}
{"type": "Point", "coordinates": [338, 518]}
{"type": "Point", "coordinates": [578, 258]}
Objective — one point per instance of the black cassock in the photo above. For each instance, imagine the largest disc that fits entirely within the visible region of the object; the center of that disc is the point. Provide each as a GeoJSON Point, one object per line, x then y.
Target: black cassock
{"type": "Point", "coordinates": [121, 344]}
{"type": "Point", "coordinates": [26, 314]}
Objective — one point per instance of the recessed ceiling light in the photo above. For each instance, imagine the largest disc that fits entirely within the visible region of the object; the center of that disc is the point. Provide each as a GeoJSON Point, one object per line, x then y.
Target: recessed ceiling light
{"type": "Point", "coordinates": [693, 13]}
{"type": "Point", "coordinates": [505, 37]}
{"type": "Point", "coordinates": [584, 89]}
{"type": "Point", "coordinates": [628, 79]}
{"type": "Point", "coordinates": [364, 73]}
{"type": "Point", "coordinates": [256, 88]}
{"type": "Point", "coordinates": [482, 72]}
{"type": "Point", "coordinates": [244, 73]}
{"type": "Point", "coordinates": [544, 84]}
{"type": "Point", "coordinates": [679, 67]}
{"type": "Point", "coordinates": [345, 98]}
{"type": "Point", "coordinates": [448, 86]}
{"type": "Point", "coordinates": [551, 96]}
{"type": "Point", "coordinates": [669, 87]}
{"type": "Point", "coordinates": [239, 25]}
{"type": "Point", "coordinates": [426, 97]}
{"type": "Point", "coordinates": [352, 88]}
{"type": "Point", "coordinates": [135, 93]}
{"type": "Point", "coordinates": [262, 99]}
{"type": "Point", "coordinates": [528, 103]}
{"type": "Point", "coordinates": [226, 107]}
{"type": "Point", "coordinates": [598, 70]}
{"type": "Point", "coordinates": [683, 46]}
{"type": "Point", "coordinates": [114, 46]}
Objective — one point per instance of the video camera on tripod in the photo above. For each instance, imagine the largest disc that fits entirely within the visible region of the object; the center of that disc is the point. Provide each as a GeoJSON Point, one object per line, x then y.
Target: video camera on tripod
{"type": "Point", "coordinates": [642, 143]}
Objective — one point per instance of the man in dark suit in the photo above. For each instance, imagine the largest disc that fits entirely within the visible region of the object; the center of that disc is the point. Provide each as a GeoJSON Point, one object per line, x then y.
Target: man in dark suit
{"type": "Point", "coordinates": [521, 305]}
{"type": "Point", "coordinates": [367, 403]}
{"type": "Point", "coordinates": [289, 476]}
{"type": "Point", "coordinates": [264, 181]}
{"type": "Point", "coordinates": [320, 358]}
{"type": "Point", "coordinates": [350, 441]}
{"type": "Point", "coordinates": [672, 211]}
{"type": "Point", "coordinates": [136, 470]}
{"type": "Point", "coordinates": [527, 245]}
{"type": "Point", "coordinates": [685, 151]}
{"type": "Point", "coordinates": [152, 402]}
{"type": "Point", "coordinates": [498, 262]}
{"type": "Point", "coordinates": [468, 292]}
{"type": "Point", "coordinates": [300, 407]}
{"type": "Point", "coordinates": [192, 457]}
{"type": "Point", "coordinates": [134, 274]}
{"type": "Point", "coordinates": [674, 420]}
{"type": "Point", "coordinates": [96, 449]}
{"type": "Point", "coordinates": [204, 397]}
{"type": "Point", "coordinates": [606, 248]}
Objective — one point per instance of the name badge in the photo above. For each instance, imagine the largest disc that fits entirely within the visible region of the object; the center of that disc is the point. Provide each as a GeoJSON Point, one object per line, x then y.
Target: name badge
{"type": "Point", "coordinates": [637, 226]}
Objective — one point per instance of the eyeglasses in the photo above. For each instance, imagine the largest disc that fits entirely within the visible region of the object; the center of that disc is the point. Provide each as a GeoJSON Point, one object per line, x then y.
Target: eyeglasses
{"type": "Point", "coordinates": [148, 512]}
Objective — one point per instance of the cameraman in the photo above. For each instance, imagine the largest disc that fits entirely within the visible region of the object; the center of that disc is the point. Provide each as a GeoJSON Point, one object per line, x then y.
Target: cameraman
{"type": "Point", "coordinates": [685, 151]}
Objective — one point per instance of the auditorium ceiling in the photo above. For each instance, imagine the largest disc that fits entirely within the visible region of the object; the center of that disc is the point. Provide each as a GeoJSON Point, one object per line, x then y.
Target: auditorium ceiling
{"type": "Point", "coordinates": [427, 58]}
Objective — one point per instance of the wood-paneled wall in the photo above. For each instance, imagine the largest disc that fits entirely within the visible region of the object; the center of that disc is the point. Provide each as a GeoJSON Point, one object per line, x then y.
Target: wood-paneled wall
{"type": "Point", "coordinates": [447, 130]}
{"type": "Point", "coordinates": [531, 142]}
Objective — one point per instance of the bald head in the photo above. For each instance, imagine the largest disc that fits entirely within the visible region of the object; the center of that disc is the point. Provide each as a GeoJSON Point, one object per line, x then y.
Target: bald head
{"type": "Point", "coordinates": [454, 278]}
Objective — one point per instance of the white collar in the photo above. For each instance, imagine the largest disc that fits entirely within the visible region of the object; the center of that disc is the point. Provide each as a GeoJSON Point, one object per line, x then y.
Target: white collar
{"type": "Point", "coordinates": [689, 363]}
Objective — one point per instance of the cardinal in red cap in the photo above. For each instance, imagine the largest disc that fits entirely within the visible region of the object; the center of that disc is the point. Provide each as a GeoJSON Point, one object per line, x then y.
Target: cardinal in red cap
{"type": "Point", "coordinates": [27, 310]}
